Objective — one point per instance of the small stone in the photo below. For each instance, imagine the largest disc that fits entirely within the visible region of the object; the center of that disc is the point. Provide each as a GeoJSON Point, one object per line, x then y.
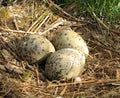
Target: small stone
{"type": "Point", "coordinates": [78, 79]}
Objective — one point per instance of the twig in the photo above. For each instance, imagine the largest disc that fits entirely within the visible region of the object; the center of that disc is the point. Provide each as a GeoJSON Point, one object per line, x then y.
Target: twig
{"type": "Point", "coordinates": [51, 3]}
{"type": "Point", "coordinates": [63, 91]}
{"type": "Point", "coordinates": [9, 30]}
{"type": "Point", "coordinates": [102, 45]}
{"type": "Point", "coordinates": [95, 82]}
{"type": "Point", "coordinates": [38, 23]}
{"type": "Point", "coordinates": [104, 25]}
{"type": "Point", "coordinates": [16, 31]}
{"type": "Point", "coordinates": [10, 67]}
{"type": "Point", "coordinates": [58, 22]}
{"type": "Point", "coordinates": [15, 23]}
{"type": "Point", "coordinates": [37, 29]}
{"type": "Point", "coordinates": [67, 84]}
{"type": "Point", "coordinates": [101, 22]}
{"type": "Point", "coordinates": [37, 76]}
{"type": "Point", "coordinates": [8, 48]}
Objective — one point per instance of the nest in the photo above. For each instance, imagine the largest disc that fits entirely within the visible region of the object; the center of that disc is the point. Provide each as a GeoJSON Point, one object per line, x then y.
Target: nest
{"type": "Point", "coordinates": [18, 79]}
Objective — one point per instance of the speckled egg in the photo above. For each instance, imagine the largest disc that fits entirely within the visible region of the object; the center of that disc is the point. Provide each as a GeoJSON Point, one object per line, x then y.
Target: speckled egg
{"type": "Point", "coordinates": [67, 38]}
{"type": "Point", "coordinates": [34, 48]}
{"type": "Point", "coordinates": [65, 63]}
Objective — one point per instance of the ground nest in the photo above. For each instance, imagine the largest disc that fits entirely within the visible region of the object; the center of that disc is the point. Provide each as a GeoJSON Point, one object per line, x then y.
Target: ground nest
{"type": "Point", "coordinates": [18, 79]}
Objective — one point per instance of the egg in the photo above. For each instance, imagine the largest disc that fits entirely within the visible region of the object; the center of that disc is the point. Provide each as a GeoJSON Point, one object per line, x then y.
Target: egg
{"type": "Point", "coordinates": [67, 38]}
{"type": "Point", "coordinates": [65, 63]}
{"type": "Point", "coordinates": [34, 48]}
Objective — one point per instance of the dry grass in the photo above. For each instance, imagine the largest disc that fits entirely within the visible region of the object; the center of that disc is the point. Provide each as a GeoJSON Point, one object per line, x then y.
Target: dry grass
{"type": "Point", "coordinates": [18, 79]}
